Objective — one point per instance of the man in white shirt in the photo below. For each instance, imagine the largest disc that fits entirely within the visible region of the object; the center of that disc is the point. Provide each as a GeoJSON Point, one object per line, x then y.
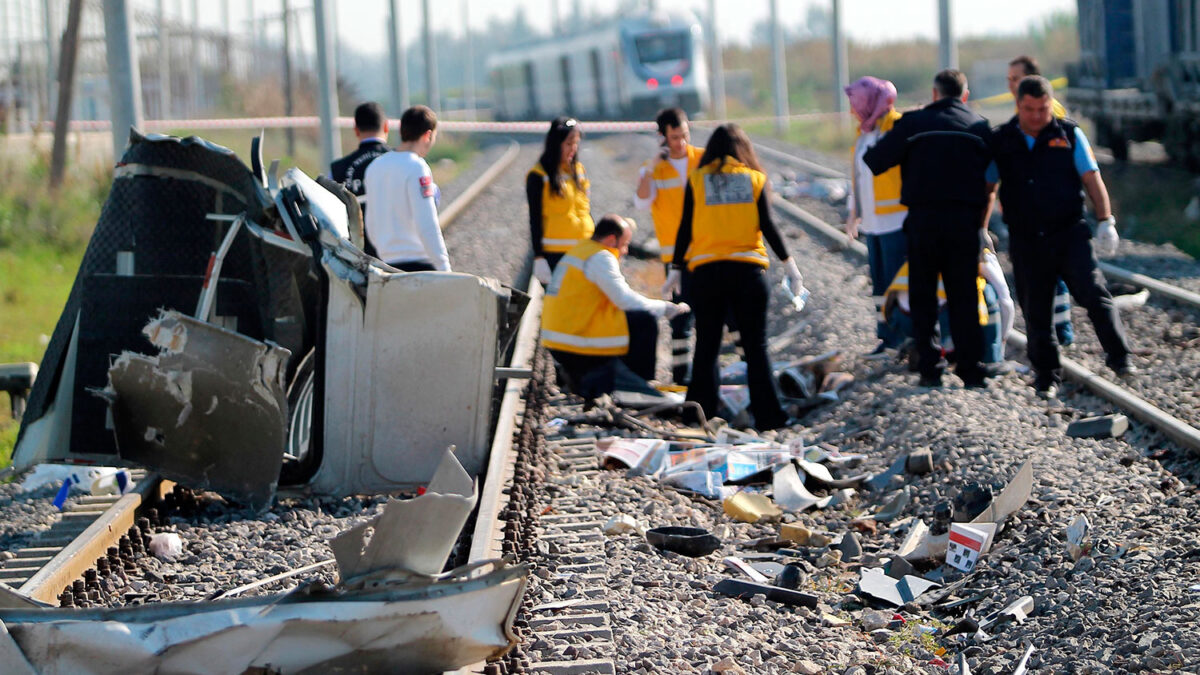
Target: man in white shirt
{"type": "Point", "coordinates": [403, 221]}
{"type": "Point", "coordinates": [598, 329]}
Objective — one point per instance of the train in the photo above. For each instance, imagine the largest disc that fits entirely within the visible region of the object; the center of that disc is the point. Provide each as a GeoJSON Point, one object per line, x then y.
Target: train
{"type": "Point", "coordinates": [627, 68]}
{"type": "Point", "coordinates": [1138, 75]}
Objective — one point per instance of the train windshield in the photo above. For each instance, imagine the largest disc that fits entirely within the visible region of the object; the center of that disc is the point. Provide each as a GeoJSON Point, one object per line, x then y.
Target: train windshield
{"type": "Point", "coordinates": [658, 47]}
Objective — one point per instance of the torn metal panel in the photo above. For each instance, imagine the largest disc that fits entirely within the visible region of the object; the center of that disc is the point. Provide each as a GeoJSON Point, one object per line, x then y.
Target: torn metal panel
{"type": "Point", "coordinates": [209, 411]}
{"type": "Point", "coordinates": [408, 372]}
{"type": "Point", "coordinates": [1014, 496]}
{"type": "Point", "coordinates": [423, 627]}
{"type": "Point", "coordinates": [412, 535]}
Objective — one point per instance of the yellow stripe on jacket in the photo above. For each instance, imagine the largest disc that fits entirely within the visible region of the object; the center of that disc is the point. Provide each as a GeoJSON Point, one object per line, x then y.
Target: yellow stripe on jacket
{"type": "Point", "coordinates": [577, 316]}
{"type": "Point", "coordinates": [900, 284]}
{"type": "Point", "coordinates": [667, 208]}
{"type": "Point", "coordinates": [566, 220]}
{"type": "Point", "coordinates": [887, 184]}
{"type": "Point", "coordinates": [725, 214]}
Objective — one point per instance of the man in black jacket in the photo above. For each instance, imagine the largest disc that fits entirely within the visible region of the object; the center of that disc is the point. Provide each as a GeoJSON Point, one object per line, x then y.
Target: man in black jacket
{"type": "Point", "coordinates": [943, 153]}
{"type": "Point", "coordinates": [371, 129]}
{"type": "Point", "coordinates": [1044, 165]}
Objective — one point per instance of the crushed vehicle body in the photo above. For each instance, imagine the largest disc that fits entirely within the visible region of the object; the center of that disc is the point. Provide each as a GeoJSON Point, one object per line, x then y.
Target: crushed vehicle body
{"type": "Point", "coordinates": [393, 611]}
{"type": "Point", "coordinates": [371, 371]}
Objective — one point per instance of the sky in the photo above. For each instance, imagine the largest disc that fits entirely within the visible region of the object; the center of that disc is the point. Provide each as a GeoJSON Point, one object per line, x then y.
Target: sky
{"type": "Point", "coordinates": [361, 22]}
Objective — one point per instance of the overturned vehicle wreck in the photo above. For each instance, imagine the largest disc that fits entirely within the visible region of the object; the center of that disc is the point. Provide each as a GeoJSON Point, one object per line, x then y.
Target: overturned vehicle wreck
{"type": "Point", "coordinates": [226, 330]}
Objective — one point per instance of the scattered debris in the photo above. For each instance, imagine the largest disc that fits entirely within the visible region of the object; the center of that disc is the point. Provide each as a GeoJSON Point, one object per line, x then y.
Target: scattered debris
{"type": "Point", "coordinates": [1023, 664]}
{"type": "Point", "coordinates": [1078, 540]}
{"type": "Point", "coordinates": [850, 547]}
{"type": "Point", "coordinates": [920, 462]}
{"type": "Point", "coordinates": [745, 589]}
{"type": "Point", "coordinates": [751, 507]}
{"type": "Point", "coordinates": [738, 565]}
{"type": "Point", "coordinates": [791, 576]}
{"type": "Point", "coordinates": [874, 583]}
{"type": "Point", "coordinates": [1103, 426]}
{"type": "Point", "coordinates": [965, 547]}
{"type": "Point", "coordinates": [624, 524]}
{"type": "Point", "coordinates": [166, 545]}
{"type": "Point", "coordinates": [690, 541]}
{"type": "Point", "coordinates": [895, 506]}
{"type": "Point", "coordinates": [790, 492]}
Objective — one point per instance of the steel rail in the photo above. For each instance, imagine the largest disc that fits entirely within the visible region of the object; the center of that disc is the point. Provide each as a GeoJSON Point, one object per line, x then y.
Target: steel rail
{"type": "Point", "coordinates": [1174, 428]}
{"type": "Point", "coordinates": [104, 531]}
{"type": "Point", "coordinates": [451, 212]}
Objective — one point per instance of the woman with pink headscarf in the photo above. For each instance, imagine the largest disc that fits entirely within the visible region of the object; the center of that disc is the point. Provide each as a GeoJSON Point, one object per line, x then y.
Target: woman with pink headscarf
{"type": "Point", "coordinates": [875, 208]}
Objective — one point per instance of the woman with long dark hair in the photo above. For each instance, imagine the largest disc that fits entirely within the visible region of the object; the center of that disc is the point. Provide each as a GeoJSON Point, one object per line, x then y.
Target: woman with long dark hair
{"type": "Point", "coordinates": [557, 188]}
{"type": "Point", "coordinates": [725, 221]}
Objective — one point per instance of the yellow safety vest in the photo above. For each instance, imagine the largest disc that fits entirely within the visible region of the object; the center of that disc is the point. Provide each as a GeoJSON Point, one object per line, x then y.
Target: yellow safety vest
{"type": "Point", "coordinates": [887, 184]}
{"type": "Point", "coordinates": [566, 220]}
{"type": "Point", "coordinates": [725, 214]}
{"type": "Point", "coordinates": [577, 316]}
{"type": "Point", "coordinates": [900, 283]}
{"type": "Point", "coordinates": [667, 208]}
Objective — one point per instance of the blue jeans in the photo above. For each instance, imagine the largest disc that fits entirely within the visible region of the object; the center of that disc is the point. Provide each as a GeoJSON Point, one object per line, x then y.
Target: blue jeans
{"type": "Point", "coordinates": [885, 254]}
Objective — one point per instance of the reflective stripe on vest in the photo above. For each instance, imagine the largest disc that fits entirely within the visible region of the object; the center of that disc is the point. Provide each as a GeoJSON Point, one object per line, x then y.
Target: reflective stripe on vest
{"type": "Point", "coordinates": [667, 208]}
{"type": "Point", "coordinates": [566, 220]}
{"type": "Point", "coordinates": [577, 316]}
{"type": "Point", "coordinates": [725, 214]}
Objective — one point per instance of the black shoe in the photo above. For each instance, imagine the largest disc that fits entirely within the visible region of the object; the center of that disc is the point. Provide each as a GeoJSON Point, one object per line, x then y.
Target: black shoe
{"type": "Point", "coordinates": [880, 352]}
{"type": "Point", "coordinates": [1046, 390]}
{"type": "Point", "coordinates": [930, 381]}
{"type": "Point", "coordinates": [980, 383]}
{"type": "Point", "coordinates": [1125, 370]}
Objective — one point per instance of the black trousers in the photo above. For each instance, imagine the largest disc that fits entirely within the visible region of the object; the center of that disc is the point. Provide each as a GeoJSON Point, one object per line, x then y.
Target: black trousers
{"type": "Point", "coordinates": [945, 241]}
{"type": "Point", "coordinates": [681, 330]}
{"type": "Point", "coordinates": [590, 376]}
{"type": "Point", "coordinates": [1039, 259]}
{"type": "Point", "coordinates": [718, 289]}
{"type": "Point", "coordinates": [414, 266]}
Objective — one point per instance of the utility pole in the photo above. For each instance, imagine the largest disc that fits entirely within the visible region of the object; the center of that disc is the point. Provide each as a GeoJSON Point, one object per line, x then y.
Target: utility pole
{"type": "Point", "coordinates": [51, 64]}
{"type": "Point", "coordinates": [66, 87]}
{"type": "Point", "coordinates": [431, 70]}
{"type": "Point", "coordinates": [288, 108]}
{"type": "Point", "coordinates": [197, 100]}
{"type": "Point", "coordinates": [718, 65]}
{"type": "Point", "coordinates": [947, 46]}
{"type": "Point", "coordinates": [164, 63]}
{"type": "Point", "coordinates": [327, 98]}
{"type": "Point", "coordinates": [124, 78]}
{"type": "Point", "coordinates": [841, 74]}
{"type": "Point", "coordinates": [399, 60]}
{"type": "Point", "coordinates": [779, 68]}
{"type": "Point", "coordinates": [469, 71]}
{"type": "Point", "coordinates": [10, 93]}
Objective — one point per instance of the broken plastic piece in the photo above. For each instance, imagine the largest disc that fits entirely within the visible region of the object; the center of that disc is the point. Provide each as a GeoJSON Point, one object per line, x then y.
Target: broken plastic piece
{"type": "Point", "coordinates": [1104, 426]}
{"type": "Point", "coordinates": [790, 492]}
{"type": "Point", "coordinates": [737, 588]}
{"type": "Point", "coordinates": [897, 592]}
{"type": "Point", "coordinates": [895, 506]}
{"type": "Point", "coordinates": [690, 541]}
{"type": "Point", "coordinates": [1078, 541]}
{"type": "Point", "coordinates": [738, 565]}
{"type": "Point", "coordinates": [624, 524]}
{"type": "Point", "coordinates": [750, 507]}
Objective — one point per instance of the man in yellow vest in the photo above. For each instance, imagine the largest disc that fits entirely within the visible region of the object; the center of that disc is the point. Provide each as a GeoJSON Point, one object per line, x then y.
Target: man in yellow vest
{"type": "Point", "coordinates": [661, 184]}
{"type": "Point", "coordinates": [600, 331]}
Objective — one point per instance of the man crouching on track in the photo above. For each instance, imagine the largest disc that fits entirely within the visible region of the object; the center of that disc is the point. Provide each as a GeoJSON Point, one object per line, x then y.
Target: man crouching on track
{"type": "Point", "coordinates": [1044, 165]}
{"type": "Point", "coordinates": [601, 332]}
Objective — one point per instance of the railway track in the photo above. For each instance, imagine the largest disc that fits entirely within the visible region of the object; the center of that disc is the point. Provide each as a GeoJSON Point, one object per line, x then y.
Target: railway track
{"type": "Point", "coordinates": [612, 604]}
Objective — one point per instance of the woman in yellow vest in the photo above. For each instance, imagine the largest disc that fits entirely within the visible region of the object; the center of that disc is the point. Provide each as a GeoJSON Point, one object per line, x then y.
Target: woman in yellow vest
{"type": "Point", "coordinates": [660, 189]}
{"type": "Point", "coordinates": [724, 222]}
{"type": "Point", "coordinates": [557, 188]}
{"type": "Point", "coordinates": [875, 208]}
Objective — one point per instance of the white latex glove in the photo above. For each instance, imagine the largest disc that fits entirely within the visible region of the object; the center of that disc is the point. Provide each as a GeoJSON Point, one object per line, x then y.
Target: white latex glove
{"type": "Point", "coordinates": [541, 271]}
{"type": "Point", "coordinates": [675, 309]}
{"type": "Point", "coordinates": [793, 275]}
{"type": "Point", "coordinates": [1106, 237]}
{"type": "Point", "coordinates": [673, 285]}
